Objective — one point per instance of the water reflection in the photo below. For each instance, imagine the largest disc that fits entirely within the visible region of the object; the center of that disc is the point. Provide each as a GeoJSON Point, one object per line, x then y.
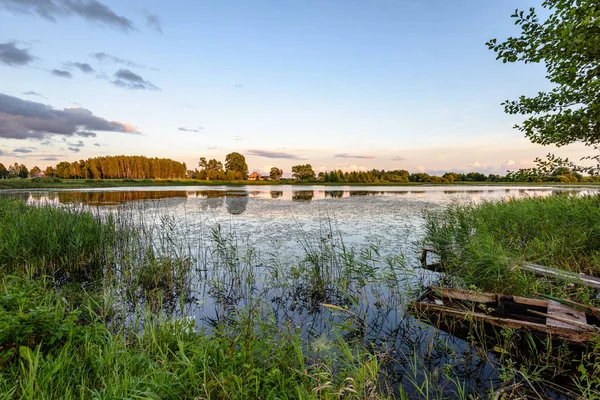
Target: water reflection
{"type": "Point", "coordinates": [334, 194]}
{"type": "Point", "coordinates": [113, 198]}
{"type": "Point", "coordinates": [303, 195]}
{"type": "Point", "coordinates": [236, 202]}
{"type": "Point", "coordinates": [275, 194]}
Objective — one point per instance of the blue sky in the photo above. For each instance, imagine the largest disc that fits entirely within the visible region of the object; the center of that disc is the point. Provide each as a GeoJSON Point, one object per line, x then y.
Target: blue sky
{"type": "Point", "coordinates": [350, 84]}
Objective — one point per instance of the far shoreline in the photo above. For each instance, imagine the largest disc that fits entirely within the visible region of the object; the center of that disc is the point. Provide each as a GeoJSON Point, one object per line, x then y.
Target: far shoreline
{"type": "Point", "coordinates": [11, 184]}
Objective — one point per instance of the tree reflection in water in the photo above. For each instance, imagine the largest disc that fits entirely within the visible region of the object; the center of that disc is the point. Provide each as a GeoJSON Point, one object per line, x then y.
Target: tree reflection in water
{"type": "Point", "coordinates": [303, 195]}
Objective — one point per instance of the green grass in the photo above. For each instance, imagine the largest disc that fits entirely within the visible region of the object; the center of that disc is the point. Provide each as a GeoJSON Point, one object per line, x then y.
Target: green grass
{"type": "Point", "coordinates": [480, 243]}
{"type": "Point", "coordinates": [51, 350]}
{"type": "Point", "coordinates": [47, 240]}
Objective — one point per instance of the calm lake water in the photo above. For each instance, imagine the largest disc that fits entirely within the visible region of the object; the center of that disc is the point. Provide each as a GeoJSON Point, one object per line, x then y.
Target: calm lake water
{"type": "Point", "coordinates": [267, 217]}
{"type": "Point", "coordinates": [265, 237]}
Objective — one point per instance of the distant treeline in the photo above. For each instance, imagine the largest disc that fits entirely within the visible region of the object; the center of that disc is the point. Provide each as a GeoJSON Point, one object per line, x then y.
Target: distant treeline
{"type": "Point", "coordinates": [563, 175]}
{"type": "Point", "coordinates": [235, 168]}
{"type": "Point", "coordinates": [118, 167]}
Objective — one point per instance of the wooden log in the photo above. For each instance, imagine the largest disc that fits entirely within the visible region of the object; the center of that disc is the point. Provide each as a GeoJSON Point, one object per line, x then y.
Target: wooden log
{"type": "Point", "coordinates": [537, 269]}
{"type": "Point", "coordinates": [559, 274]}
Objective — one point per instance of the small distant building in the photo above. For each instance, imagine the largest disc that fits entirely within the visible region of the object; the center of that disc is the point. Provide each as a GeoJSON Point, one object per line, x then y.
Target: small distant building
{"type": "Point", "coordinates": [255, 176]}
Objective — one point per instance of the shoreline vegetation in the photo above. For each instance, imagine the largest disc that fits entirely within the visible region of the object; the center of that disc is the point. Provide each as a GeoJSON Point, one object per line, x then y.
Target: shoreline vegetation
{"type": "Point", "coordinates": [57, 183]}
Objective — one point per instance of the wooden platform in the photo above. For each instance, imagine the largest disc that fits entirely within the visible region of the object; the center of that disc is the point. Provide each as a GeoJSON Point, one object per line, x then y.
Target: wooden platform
{"type": "Point", "coordinates": [563, 312]}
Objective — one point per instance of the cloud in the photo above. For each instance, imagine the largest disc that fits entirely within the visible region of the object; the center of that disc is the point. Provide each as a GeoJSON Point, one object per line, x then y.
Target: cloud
{"type": "Point", "coordinates": [97, 144]}
{"type": "Point", "coordinates": [24, 150]}
{"type": "Point", "coordinates": [52, 10]}
{"type": "Point", "coordinates": [126, 79]}
{"type": "Point", "coordinates": [83, 67]}
{"type": "Point", "coordinates": [62, 74]}
{"type": "Point", "coordinates": [13, 56]}
{"type": "Point", "coordinates": [49, 159]}
{"type": "Point", "coordinates": [86, 134]}
{"type": "Point", "coordinates": [398, 158]}
{"type": "Point", "coordinates": [24, 119]}
{"type": "Point", "coordinates": [346, 155]}
{"type": "Point", "coordinates": [30, 93]}
{"type": "Point", "coordinates": [273, 154]}
{"type": "Point", "coordinates": [477, 164]}
{"type": "Point", "coordinates": [184, 129]}
{"type": "Point", "coordinates": [153, 22]}
{"type": "Point", "coordinates": [105, 57]}
{"type": "Point", "coordinates": [75, 149]}
{"type": "Point", "coordinates": [212, 147]}
{"type": "Point", "coordinates": [238, 86]}
{"type": "Point", "coordinates": [76, 144]}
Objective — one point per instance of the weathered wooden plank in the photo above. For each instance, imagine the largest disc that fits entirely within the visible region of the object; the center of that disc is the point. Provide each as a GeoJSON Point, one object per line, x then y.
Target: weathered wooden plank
{"type": "Point", "coordinates": [555, 309]}
{"type": "Point", "coordinates": [558, 333]}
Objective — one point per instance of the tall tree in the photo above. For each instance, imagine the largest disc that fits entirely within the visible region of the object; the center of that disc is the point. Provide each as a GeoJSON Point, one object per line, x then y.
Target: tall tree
{"type": "Point", "coordinates": [303, 172]}
{"type": "Point", "coordinates": [236, 163]}
{"type": "Point", "coordinates": [35, 171]}
{"type": "Point", "coordinates": [3, 172]}
{"type": "Point", "coordinates": [568, 43]}
{"type": "Point", "coordinates": [275, 173]}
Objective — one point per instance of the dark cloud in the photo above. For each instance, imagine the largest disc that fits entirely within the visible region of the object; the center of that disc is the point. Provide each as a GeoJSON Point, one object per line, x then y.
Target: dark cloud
{"type": "Point", "coordinates": [61, 73]}
{"type": "Point", "coordinates": [23, 119]}
{"type": "Point", "coordinates": [49, 159]}
{"type": "Point", "coordinates": [75, 149]}
{"type": "Point", "coordinates": [273, 154]}
{"type": "Point", "coordinates": [184, 129]}
{"type": "Point", "coordinates": [83, 67]}
{"type": "Point", "coordinates": [398, 158]}
{"type": "Point", "coordinates": [52, 10]}
{"type": "Point", "coordinates": [346, 155]}
{"type": "Point", "coordinates": [97, 144]}
{"type": "Point", "coordinates": [76, 144]}
{"type": "Point", "coordinates": [105, 57]}
{"type": "Point", "coordinates": [11, 55]}
{"type": "Point", "coordinates": [153, 22]}
{"type": "Point", "coordinates": [126, 79]}
{"type": "Point", "coordinates": [30, 93]}
{"type": "Point", "coordinates": [86, 134]}
{"type": "Point", "coordinates": [24, 150]}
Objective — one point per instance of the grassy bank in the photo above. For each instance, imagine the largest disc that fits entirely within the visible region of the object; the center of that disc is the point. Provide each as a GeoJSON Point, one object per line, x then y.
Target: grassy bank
{"type": "Point", "coordinates": [55, 183]}
{"type": "Point", "coordinates": [478, 246]}
{"type": "Point", "coordinates": [480, 243]}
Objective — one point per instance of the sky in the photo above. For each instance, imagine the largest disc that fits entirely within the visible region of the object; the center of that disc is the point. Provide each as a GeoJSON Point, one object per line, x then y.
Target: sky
{"type": "Point", "coordinates": [339, 84]}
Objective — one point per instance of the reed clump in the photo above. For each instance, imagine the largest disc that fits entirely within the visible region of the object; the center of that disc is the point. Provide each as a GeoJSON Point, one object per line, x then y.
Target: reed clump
{"type": "Point", "coordinates": [46, 240]}
{"type": "Point", "coordinates": [480, 243]}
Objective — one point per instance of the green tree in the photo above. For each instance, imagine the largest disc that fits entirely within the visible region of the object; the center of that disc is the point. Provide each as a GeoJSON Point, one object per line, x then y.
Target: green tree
{"type": "Point", "coordinates": [35, 171]}
{"type": "Point", "coordinates": [3, 172]}
{"type": "Point", "coordinates": [23, 171]}
{"type": "Point", "coordinates": [236, 163]}
{"type": "Point", "coordinates": [303, 172]}
{"type": "Point", "coordinates": [50, 171]}
{"type": "Point", "coordinates": [568, 43]}
{"type": "Point", "coordinates": [275, 173]}
{"type": "Point", "coordinates": [211, 169]}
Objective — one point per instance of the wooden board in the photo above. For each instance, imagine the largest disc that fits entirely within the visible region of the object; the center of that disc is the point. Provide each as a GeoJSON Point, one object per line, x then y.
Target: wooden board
{"type": "Point", "coordinates": [564, 312]}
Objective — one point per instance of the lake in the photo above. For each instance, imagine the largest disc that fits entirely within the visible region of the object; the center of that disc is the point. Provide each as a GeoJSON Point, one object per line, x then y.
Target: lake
{"type": "Point", "coordinates": [298, 255]}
